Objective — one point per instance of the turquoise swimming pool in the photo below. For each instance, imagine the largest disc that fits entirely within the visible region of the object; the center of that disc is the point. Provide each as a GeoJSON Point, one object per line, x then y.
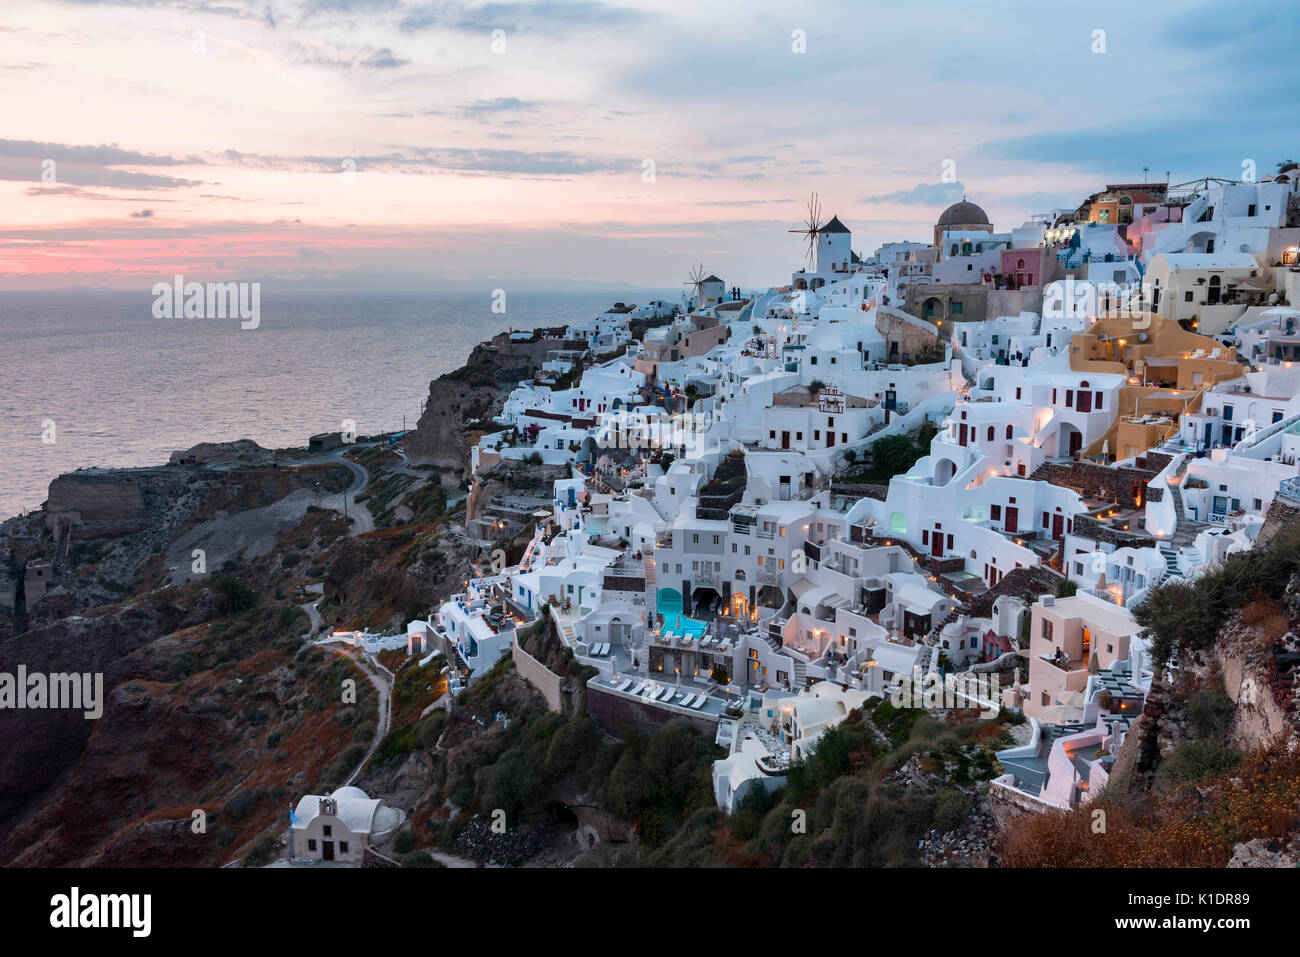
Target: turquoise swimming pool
{"type": "Point", "coordinates": [669, 604]}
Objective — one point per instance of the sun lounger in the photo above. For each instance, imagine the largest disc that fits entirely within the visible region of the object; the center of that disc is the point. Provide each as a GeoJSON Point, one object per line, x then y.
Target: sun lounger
{"type": "Point", "coordinates": [627, 683]}
{"type": "Point", "coordinates": [637, 689]}
{"type": "Point", "coordinates": [700, 702]}
{"type": "Point", "coordinates": [668, 693]}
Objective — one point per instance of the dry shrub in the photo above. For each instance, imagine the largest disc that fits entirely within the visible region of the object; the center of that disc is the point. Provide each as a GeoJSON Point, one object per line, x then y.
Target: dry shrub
{"type": "Point", "coordinates": [1180, 829]}
{"type": "Point", "coordinates": [1266, 615]}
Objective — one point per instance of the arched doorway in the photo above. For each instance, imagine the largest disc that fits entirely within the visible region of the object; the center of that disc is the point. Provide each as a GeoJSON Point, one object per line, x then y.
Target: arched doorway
{"type": "Point", "coordinates": [1071, 441]}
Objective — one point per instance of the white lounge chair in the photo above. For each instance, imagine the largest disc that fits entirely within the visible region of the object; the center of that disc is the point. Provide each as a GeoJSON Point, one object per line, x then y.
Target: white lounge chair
{"type": "Point", "coordinates": [627, 682]}
{"type": "Point", "coordinates": [667, 695]}
{"type": "Point", "coordinates": [699, 703]}
{"type": "Point", "coordinates": [639, 686]}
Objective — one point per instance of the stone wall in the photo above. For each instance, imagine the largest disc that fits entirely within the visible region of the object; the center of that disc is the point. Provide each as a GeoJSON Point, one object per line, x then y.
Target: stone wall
{"type": "Point", "coordinates": [619, 714]}
{"type": "Point", "coordinates": [95, 498]}
{"type": "Point", "coordinates": [547, 682]}
{"type": "Point", "coordinates": [1127, 486]}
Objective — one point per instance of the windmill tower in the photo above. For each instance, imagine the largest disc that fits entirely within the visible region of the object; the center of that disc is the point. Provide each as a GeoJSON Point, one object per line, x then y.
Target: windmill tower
{"type": "Point", "coordinates": [695, 283]}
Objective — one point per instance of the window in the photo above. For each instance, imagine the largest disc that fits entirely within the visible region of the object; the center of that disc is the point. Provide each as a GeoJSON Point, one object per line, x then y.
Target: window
{"type": "Point", "coordinates": [1047, 629]}
{"type": "Point", "coordinates": [955, 309]}
{"type": "Point", "coordinates": [695, 539]}
{"type": "Point", "coordinates": [715, 539]}
{"type": "Point", "coordinates": [1008, 433]}
{"type": "Point", "coordinates": [328, 830]}
{"type": "Point", "coordinates": [343, 847]}
{"type": "Point", "coordinates": [733, 548]}
{"type": "Point", "coordinates": [311, 843]}
{"type": "Point", "coordinates": [995, 512]}
{"type": "Point", "coordinates": [1187, 296]}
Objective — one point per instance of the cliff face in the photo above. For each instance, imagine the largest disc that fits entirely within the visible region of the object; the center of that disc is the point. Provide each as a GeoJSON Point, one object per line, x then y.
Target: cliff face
{"type": "Point", "coordinates": [441, 437]}
{"type": "Point", "coordinates": [462, 399]}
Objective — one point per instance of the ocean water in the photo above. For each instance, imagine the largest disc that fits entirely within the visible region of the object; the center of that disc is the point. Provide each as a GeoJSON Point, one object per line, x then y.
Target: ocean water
{"type": "Point", "coordinates": [122, 388]}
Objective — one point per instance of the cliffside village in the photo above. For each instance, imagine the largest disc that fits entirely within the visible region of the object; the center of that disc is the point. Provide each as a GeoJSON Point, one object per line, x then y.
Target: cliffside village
{"type": "Point", "coordinates": [1109, 398]}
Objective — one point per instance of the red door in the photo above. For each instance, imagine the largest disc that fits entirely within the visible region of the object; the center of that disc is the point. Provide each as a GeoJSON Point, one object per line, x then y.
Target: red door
{"type": "Point", "coordinates": [1085, 401]}
{"type": "Point", "coordinates": [1076, 443]}
{"type": "Point", "coordinates": [1058, 525]}
{"type": "Point", "coordinates": [785, 440]}
{"type": "Point", "coordinates": [936, 542]}
{"type": "Point", "coordinates": [1013, 516]}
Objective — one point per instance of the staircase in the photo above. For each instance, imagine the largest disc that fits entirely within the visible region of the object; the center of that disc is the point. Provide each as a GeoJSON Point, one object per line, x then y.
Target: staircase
{"type": "Point", "coordinates": [528, 553]}
{"type": "Point", "coordinates": [800, 674]}
{"type": "Point", "coordinates": [932, 636]}
{"type": "Point", "coordinates": [649, 565]}
{"type": "Point", "coordinates": [1185, 530]}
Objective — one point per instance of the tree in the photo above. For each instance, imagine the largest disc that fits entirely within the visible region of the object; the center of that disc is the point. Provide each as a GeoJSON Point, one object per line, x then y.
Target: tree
{"type": "Point", "coordinates": [233, 596]}
{"type": "Point", "coordinates": [894, 454]}
{"type": "Point", "coordinates": [816, 386]}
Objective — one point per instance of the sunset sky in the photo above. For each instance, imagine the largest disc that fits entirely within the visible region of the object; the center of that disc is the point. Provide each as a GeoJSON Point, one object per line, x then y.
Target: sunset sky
{"type": "Point", "coordinates": [217, 139]}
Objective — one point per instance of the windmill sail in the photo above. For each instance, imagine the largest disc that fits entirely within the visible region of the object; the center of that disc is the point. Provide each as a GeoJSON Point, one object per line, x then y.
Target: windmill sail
{"type": "Point", "coordinates": [812, 226]}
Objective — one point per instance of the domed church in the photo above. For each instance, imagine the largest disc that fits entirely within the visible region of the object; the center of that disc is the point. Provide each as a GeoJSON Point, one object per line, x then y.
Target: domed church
{"type": "Point", "coordinates": [961, 217]}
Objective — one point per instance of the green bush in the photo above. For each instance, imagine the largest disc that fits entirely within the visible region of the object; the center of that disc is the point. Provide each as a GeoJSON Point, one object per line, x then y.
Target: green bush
{"type": "Point", "coordinates": [1194, 761]}
{"type": "Point", "coordinates": [420, 859]}
{"type": "Point", "coordinates": [403, 842]}
{"type": "Point", "coordinates": [261, 853]}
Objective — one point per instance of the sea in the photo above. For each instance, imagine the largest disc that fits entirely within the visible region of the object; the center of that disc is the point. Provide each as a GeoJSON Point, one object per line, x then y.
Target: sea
{"type": "Point", "coordinates": [91, 378]}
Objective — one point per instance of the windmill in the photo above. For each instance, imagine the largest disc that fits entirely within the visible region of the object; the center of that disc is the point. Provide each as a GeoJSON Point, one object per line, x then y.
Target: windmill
{"type": "Point", "coordinates": [812, 225]}
{"type": "Point", "coordinates": [695, 282]}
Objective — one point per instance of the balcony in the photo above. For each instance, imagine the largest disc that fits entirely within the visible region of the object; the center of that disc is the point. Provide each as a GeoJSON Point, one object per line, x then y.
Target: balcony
{"type": "Point", "coordinates": [768, 575]}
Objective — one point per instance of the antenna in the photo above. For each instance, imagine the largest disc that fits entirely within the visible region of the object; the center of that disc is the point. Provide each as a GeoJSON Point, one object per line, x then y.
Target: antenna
{"type": "Point", "coordinates": [812, 225]}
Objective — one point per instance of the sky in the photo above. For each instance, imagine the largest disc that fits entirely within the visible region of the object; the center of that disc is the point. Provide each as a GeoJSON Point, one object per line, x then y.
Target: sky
{"type": "Point", "coordinates": [416, 143]}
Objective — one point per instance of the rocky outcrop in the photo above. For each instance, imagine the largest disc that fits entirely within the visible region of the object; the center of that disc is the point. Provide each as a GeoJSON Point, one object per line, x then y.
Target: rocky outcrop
{"type": "Point", "coordinates": [239, 452]}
